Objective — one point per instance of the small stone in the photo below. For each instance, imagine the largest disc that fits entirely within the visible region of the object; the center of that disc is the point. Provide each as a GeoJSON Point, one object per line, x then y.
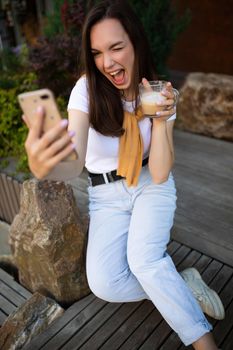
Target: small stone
{"type": "Point", "coordinates": [29, 320]}
{"type": "Point", "coordinates": [206, 105]}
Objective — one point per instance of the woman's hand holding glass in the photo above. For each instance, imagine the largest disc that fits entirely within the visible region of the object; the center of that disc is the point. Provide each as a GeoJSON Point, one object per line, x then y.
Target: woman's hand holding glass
{"type": "Point", "coordinates": [158, 99]}
{"type": "Point", "coordinates": [46, 150]}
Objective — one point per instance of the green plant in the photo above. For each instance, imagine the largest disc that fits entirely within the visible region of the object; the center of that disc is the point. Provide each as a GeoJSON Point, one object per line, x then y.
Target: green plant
{"type": "Point", "coordinates": [12, 129]}
{"type": "Point", "coordinates": [13, 60]}
{"type": "Point", "coordinates": [4, 163]}
{"type": "Point", "coordinates": [162, 26]}
{"type": "Point", "coordinates": [55, 57]}
{"type": "Point", "coordinates": [55, 63]}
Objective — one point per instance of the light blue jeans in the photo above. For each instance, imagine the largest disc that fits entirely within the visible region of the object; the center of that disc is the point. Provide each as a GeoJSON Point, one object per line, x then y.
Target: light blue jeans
{"type": "Point", "coordinates": [126, 254]}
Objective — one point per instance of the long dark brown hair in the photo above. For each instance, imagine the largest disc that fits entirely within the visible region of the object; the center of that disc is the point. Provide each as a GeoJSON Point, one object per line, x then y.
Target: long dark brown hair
{"type": "Point", "coordinates": [105, 106]}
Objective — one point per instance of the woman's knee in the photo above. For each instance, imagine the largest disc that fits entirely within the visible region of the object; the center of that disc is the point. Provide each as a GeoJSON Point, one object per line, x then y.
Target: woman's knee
{"type": "Point", "coordinates": [143, 258]}
{"type": "Point", "coordinates": [99, 286]}
{"type": "Point", "coordinates": [103, 284]}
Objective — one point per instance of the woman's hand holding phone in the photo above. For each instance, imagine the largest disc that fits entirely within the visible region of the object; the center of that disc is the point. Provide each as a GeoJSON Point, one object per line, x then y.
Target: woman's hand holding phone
{"type": "Point", "coordinates": [46, 150]}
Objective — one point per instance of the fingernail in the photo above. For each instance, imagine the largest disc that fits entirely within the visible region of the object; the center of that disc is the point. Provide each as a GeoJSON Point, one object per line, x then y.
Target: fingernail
{"type": "Point", "coordinates": [64, 122]}
{"type": "Point", "coordinates": [39, 109]}
{"type": "Point", "coordinates": [73, 145]}
{"type": "Point", "coordinates": [158, 113]}
{"type": "Point", "coordinates": [71, 133]}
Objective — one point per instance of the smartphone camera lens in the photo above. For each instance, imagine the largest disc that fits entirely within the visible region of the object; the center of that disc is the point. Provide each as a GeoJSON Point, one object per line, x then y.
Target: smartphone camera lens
{"type": "Point", "coordinates": [44, 97]}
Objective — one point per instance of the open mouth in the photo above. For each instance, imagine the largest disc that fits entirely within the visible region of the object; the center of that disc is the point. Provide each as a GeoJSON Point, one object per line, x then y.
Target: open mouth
{"type": "Point", "coordinates": [118, 76]}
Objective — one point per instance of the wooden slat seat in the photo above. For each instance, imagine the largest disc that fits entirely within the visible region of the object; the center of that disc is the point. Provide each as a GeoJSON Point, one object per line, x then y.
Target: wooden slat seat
{"type": "Point", "coordinates": [12, 295]}
{"type": "Point", "coordinates": [91, 323]}
{"type": "Point", "coordinates": [202, 237]}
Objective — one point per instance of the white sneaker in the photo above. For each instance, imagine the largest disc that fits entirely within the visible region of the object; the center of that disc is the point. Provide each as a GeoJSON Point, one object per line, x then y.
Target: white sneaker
{"type": "Point", "coordinates": [207, 297]}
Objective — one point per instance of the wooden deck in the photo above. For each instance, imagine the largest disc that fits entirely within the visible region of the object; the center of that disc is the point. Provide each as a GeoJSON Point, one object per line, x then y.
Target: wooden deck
{"type": "Point", "coordinates": [202, 237]}
{"type": "Point", "coordinates": [92, 323]}
{"type": "Point", "coordinates": [12, 295]}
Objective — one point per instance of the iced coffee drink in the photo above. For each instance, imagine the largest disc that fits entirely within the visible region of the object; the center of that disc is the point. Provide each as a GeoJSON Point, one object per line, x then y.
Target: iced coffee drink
{"type": "Point", "coordinates": [151, 97]}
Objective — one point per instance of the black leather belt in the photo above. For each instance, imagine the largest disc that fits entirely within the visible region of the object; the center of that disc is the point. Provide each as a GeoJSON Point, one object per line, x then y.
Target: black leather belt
{"type": "Point", "coordinates": [100, 179]}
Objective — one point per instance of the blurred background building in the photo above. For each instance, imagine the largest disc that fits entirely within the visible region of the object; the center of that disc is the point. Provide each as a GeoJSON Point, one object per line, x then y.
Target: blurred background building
{"type": "Point", "coordinates": [207, 43]}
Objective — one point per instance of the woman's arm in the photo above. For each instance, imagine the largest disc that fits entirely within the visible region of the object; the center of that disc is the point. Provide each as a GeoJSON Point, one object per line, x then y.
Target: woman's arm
{"type": "Point", "coordinates": [161, 156]}
{"type": "Point", "coordinates": [46, 153]}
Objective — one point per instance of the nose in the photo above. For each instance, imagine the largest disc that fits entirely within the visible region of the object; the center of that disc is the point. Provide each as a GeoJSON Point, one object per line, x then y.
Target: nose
{"type": "Point", "coordinates": [108, 61]}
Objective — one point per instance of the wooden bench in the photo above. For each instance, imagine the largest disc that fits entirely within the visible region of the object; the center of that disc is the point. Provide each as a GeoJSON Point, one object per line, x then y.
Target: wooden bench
{"type": "Point", "coordinates": [203, 237]}
{"type": "Point", "coordinates": [12, 295]}
{"type": "Point", "coordinates": [93, 324]}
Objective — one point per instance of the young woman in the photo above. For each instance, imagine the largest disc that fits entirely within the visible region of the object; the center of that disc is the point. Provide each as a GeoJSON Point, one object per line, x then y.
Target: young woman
{"type": "Point", "coordinates": [129, 159]}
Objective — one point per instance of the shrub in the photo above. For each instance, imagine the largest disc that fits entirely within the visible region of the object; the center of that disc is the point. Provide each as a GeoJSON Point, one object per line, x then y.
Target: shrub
{"type": "Point", "coordinates": [55, 63]}
{"type": "Point", "coordinates": [162, 26]}
{"type": "Point", "coordinates": [12, 129]}
{"type": "Point", "coordinates": [55, 58]}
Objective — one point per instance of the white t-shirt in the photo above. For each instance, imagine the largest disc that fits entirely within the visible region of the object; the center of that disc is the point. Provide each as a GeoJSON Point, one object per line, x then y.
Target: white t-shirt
{"type": "Point", "coordinates": [102, 151]}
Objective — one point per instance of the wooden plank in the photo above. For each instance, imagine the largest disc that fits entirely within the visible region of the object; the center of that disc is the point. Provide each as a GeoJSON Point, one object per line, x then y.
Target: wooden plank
{"type": "Point", "coordinates": [222, 279]}
{"type": "Point", "coordinates": [91, 327]}
{"type": "Point", "coordinates": [11, 195]}
{"type": "Point", "coordinates": [11, 295]}
{"type": "Point", "coordinates": [115, 324]}
{"type": "Point", "coordinates": [223, 328]}
{"type": "Point", "coordinates": [203, 263]}
{"type": "Point", "coordinates": [227, 297]}
{"type": "Point", "coordinates": [196, 207]}
{"type": "Point", "coordinates": [42, 339]}
{"type": "Point", "coordinates": [6, 214]}
{"type": "Point", "coordinates": [188, 181]}
{"type": "Point", "coordinates": [8, 196]}
{"type": "Point", "coordinates": [227, 344]}
{"type": "Point", "coordinates": [17, 188]}
{"type": "Point", "coordinates": [194, 224]}
{"type": "Point", "coordinates": [208, 149]}
{"type": "Point", "coordinates": [126, 329]}
{"type": "Point", "coordinates": [185, 232]}
{"type": "Point", "coordinates": [180, 254]}
{"type": "Point", "coordinates": [190, 260]}
{"type": "Point", "coordinates": [75, 325]}
{"type": "Point", "coordinates": [158, 336]}
{"type": "Point", "coordinates": [8, 279]}
{"type": "Point", "coordinates": [173, 246]}
{"type": "Point", "coordinates": [3, 316]}
{"type": "Point", "coordinates": [142, 331]}
{"type": "Point", "coordinates": [6, 306]}
{"type": "Point", "coordinates": [187, 159]}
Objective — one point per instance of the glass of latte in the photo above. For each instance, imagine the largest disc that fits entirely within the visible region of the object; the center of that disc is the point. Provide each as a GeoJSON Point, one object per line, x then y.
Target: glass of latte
{"type": "Point", "coordinates": [151, 97]}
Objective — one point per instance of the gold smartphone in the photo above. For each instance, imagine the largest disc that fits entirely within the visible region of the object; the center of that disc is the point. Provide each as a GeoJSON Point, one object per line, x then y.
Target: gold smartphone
{"type": "Point", "coordinates": [30, 101]}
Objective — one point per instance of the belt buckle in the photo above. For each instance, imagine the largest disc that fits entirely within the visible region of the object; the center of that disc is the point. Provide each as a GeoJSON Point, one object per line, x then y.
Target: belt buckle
{"type": "Point", "coordinates": [108, 177]}
{"type": "Point", "coordinates": [89, 181]}
{"type": "Point", "coordinates": [111, 178]}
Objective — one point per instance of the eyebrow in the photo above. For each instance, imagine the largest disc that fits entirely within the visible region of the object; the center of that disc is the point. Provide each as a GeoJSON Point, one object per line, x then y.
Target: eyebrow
{"type": "Point", "coordinates": [111, 46]}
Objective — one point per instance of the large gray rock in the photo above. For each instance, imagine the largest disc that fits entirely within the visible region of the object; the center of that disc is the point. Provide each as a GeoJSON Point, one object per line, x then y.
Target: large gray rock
{"type": "Point", "coordinates": [206, 105]}
{"type": "Point", "coordinates": [48, 241]}
{"type": "Point", "coordinates": [29, 320]}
